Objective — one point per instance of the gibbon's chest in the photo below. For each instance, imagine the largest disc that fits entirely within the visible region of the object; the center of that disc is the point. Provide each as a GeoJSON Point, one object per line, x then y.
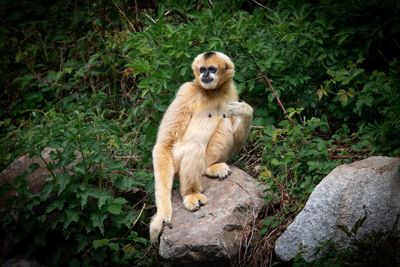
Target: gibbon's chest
{"type": "Point", "coordinates": [205, 121]}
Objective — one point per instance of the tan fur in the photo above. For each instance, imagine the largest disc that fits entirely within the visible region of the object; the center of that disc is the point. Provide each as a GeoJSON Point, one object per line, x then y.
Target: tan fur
{"type": "Point", "coordinates": [200, 130]}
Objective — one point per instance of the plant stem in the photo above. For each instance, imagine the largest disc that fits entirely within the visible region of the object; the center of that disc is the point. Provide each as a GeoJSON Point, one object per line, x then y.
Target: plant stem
{"type": "Point", "coordinates": [83, 158]}
{"type": "Point", "coordinates": [267, 81]}
{"type": "Point", "coordinates": [48, 167]}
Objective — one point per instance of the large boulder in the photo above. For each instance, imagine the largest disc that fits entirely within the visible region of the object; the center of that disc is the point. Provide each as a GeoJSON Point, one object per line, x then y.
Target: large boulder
{"type": "Point", "coordinates": [35, 180]}
{"type": "Point", "coordinates": [363, 196]}
{"type": "Point", "coordinates": [214, 233]}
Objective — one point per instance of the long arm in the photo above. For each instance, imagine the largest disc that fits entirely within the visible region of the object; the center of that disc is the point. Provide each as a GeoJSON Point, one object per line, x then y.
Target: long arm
{"type": "Point", "coordinates": [241, 116]}
{"type": "Point", "coordinates": [173, 125]}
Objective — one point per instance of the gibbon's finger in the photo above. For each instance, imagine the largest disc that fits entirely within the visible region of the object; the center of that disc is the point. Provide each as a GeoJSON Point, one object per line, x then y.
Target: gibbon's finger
{"type": "Point", "coordinates": [168, 224]}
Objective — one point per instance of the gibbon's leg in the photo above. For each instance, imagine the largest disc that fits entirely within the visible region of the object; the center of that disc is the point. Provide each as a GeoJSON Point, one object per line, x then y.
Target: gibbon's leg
{"type": "Point", "coordinates": [218, 150]}
{"type": "Point", "coordinates": [164, 175]}
{"type": "Point", "coordinates": [192, 165]}
{"type": "Point", "coordinates": [228, 139]}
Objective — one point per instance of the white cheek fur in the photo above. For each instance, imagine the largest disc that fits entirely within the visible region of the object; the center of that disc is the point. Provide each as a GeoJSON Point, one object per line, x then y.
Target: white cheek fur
{"type": "Point", "coordinates": [210, 85]}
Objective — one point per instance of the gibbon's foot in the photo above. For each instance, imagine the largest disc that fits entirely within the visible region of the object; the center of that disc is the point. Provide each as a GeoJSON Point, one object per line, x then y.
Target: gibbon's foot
{"type": "Point", "coordinates": [156, 228]}
{"type": "Point", "coordinates": [236, 108]}
{"type": "Point", "coordinates": [193, 201]}
{"type": "Point", "coordinates": [220, 170]}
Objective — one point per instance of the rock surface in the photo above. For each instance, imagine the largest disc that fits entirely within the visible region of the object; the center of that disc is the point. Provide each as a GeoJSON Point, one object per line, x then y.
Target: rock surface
{"type": "Point", "coordinates": [368, 188]}
{"type": "Point", "coordinates": [36, 179]}
{"type": "Point", "coordinates": [21, 164]}
{"type": "Point", "coordinates": [214, 233]}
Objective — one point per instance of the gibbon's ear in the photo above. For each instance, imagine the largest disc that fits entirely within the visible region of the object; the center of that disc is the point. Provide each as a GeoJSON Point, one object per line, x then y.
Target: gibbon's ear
{"type": "Point", "coordinates": [229, 68]}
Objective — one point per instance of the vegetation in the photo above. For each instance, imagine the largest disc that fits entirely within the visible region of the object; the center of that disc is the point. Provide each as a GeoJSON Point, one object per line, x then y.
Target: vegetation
{"type": "Point", "coordinates": [92, 78]}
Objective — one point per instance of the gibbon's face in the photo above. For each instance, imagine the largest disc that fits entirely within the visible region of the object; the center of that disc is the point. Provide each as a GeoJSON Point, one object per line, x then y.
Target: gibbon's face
{"type": "Point", "coordinates": [212, 69]}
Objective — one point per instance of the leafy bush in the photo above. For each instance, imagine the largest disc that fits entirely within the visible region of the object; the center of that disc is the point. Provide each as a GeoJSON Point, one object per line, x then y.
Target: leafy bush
{"type": "Point", "coordinates": [85, 200]}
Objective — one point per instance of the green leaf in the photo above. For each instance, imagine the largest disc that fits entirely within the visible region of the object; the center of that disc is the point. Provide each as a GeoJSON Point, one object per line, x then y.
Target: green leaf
{"type": "Point", "coordinates": [129, 249]}
{"type": "Point", "coordinates": [114, 246]}
{"type": "Point", "coordinates": [116, 206]}
{"type": "Point", "coordinates": [344, 99]}
{"type": "Point", "coordinates": [100, 243]}
{"type": "Point", "coordinates": [116, 166]}
{"type": "Point", "coordinates": [115, 209]}
{"type": "Point", "coordinates": [102, 197]}
{"type": "Point", "coordinates": [97, 220]}
{"type": "Point", "coordinates": [358, 224]}
{"type": "Point", "coordinates": [62, 180]}
{"type": "Point", "coordinates": [71, 216]}
{"type": "Point", "coordinates": [120, 200]}
{"type": "Point", "coordinates": [126, 183]}
{"type": "Point", "coordinates": [68, 70]}
{"type": "Point", "coordinates": [57, 204]}
{"type": "Point", "coordinates": [275, 162]}
{"type": "Point", "coordinates": [84, 198]}
{"type": "Point", "coordinates": [345, 229]}
{"type": "Point", "coordinates": [79, 169]}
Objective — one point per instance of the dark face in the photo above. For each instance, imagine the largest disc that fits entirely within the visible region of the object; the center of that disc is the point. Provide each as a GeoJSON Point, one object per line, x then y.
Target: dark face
{"type": "Point", "coordinates": [207, 74]}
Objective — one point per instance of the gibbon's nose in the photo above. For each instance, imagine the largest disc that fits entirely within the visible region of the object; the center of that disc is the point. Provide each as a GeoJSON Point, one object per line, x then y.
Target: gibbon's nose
{"type": "Point", "coordinates": [207, 79]}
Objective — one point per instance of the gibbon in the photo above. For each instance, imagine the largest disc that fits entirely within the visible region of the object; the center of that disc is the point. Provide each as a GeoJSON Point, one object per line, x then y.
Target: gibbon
{"type": "Point", "coordinates": [203, 126]}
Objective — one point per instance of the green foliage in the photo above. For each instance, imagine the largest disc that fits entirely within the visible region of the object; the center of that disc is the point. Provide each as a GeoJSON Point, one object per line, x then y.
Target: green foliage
{"type": "Point", "coordinates": [92, 79]}
{"type": "Point", "coordinates": [83, 202]}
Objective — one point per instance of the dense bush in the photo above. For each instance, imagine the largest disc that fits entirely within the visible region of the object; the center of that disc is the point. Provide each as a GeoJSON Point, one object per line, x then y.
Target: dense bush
{"type": "Point", "coordinates": [93, 78]}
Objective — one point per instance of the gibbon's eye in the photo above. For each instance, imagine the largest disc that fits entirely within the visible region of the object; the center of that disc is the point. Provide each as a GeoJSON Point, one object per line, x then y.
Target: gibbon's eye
{"type": "Point", "coordinates": [212, 69]}
{"type": "Point", "coordinates": [203, 69]}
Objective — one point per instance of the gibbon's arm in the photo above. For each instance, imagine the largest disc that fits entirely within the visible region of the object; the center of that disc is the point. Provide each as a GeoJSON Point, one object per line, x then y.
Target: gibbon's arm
{"type": "Point", "coordinates": [172, 126]}
{"type": "Point", "coordinates": [241, 116]}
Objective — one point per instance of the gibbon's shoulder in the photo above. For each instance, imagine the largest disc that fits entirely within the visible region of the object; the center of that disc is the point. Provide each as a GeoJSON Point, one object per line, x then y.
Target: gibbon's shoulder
{"type": "Point", "coordinates": [187, 90]}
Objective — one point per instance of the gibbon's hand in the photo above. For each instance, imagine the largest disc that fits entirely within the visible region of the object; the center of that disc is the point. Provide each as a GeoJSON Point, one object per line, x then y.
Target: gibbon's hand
{"type": "Point", "coordinates": [236, 108]}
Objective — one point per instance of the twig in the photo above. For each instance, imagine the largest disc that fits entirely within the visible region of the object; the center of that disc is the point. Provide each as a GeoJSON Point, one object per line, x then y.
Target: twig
{"type": "Point", "coordinates": [383, 56]}
{"type": "Point", "coordinates": [48, 167]}
{"type": "Point", "coordinates": [140, 214]}
{"type": "Point", "coordinates": [247, 153]}
{"type": "Point", "coordinates": [261, 5]}
{"type": "Point", "coordinates": [150, 18]}
{"type": "Point", "coordinates": [136, 220]}
{"type": "Point", "coordinates": [130, 25]}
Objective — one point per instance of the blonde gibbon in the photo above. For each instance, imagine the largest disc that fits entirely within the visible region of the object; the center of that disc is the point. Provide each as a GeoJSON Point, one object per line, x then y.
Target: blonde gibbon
{"type": "Point", "coordinates": [204, 125]}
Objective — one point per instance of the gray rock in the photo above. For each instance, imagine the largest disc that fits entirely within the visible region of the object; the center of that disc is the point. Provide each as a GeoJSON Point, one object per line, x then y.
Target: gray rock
{"type": "Point", "coordinates": [215, 232]}
{"type": "Point", "coordinates": [368, 189]}
{"type": "Point", "coordinates": [35, 182]}
{"type": "Point", "coordinates": [37, 178]}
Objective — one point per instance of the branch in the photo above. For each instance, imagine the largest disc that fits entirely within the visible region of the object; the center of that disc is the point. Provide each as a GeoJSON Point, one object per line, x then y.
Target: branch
{"type": "Point", "coordinates": [267, 81]}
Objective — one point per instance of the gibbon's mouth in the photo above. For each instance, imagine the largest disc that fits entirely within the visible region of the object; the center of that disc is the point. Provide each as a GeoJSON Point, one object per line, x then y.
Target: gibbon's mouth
{"type": "Point", "coordinates": [207, 80]}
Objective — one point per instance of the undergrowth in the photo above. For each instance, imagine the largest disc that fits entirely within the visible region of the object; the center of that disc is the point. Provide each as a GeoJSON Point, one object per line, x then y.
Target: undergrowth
{"type": "Point", "coordinates": [91, 80]}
